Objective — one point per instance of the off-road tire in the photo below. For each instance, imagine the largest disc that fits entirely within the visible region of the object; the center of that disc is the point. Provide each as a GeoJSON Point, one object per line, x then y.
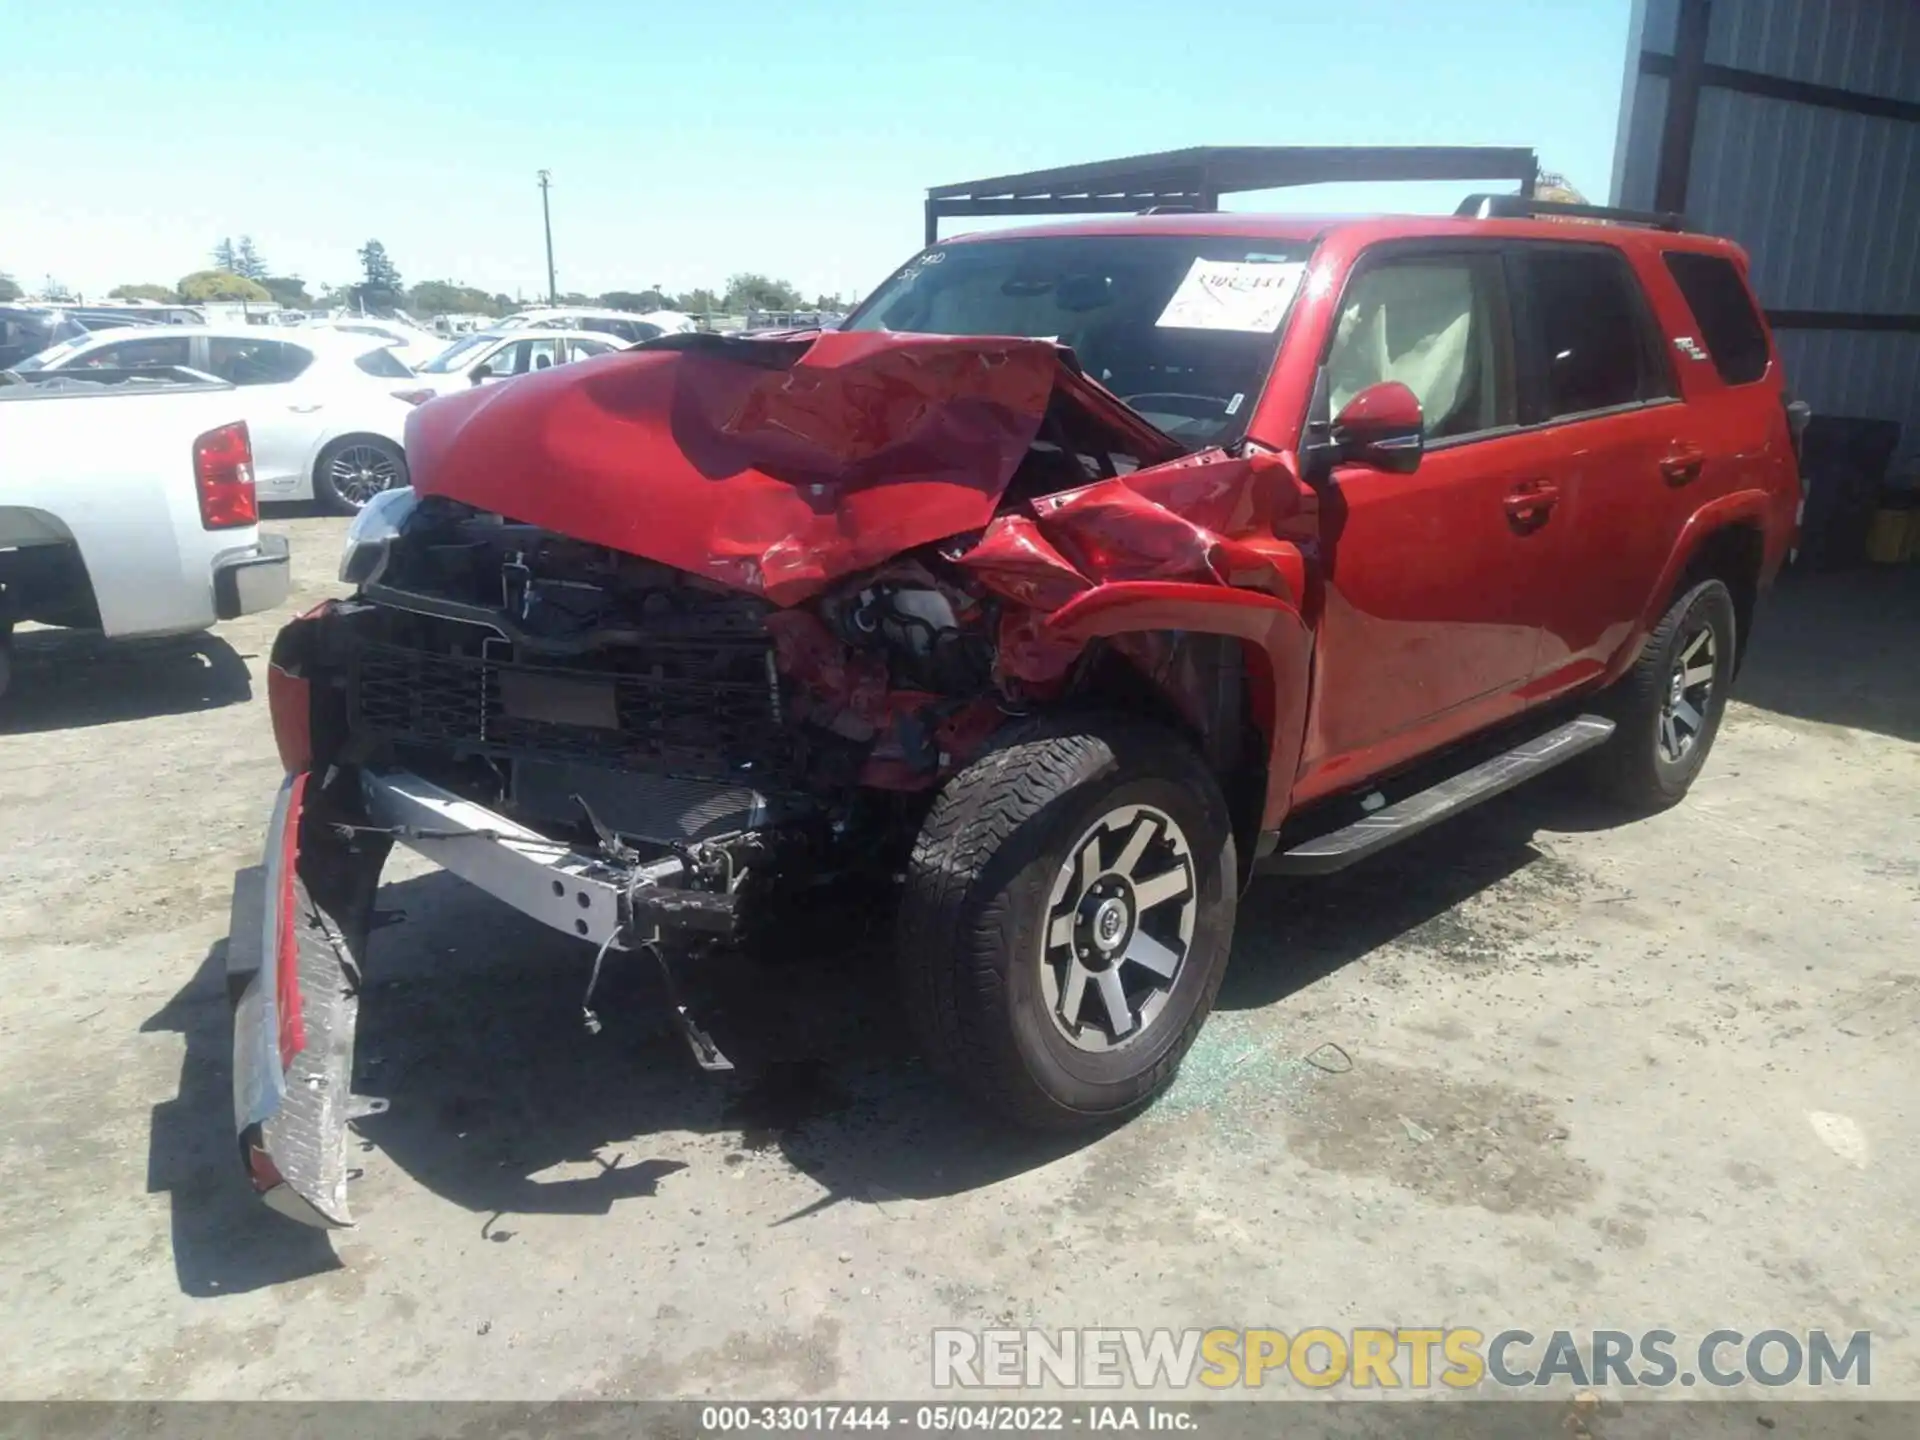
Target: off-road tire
{"type": "Point", "coordinates": [1631, 768]}
{"type": "Point", "coordinates": [976, 904]}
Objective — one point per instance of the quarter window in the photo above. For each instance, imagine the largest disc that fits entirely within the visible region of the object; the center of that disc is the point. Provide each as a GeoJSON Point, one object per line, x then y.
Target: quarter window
{"type": "Point", "coordinates": [1590, 333]}
{"type": "Point", "coordinates": [1728, 324]}
{"type": "Point", "coordinates": [1437, 324]}
{"type": "Point", "coordinates": [384, 363]}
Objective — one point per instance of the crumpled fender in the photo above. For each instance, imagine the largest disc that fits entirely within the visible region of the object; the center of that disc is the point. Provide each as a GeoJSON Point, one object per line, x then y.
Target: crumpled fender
{"type": "Point", "coordinates": [769, 465]}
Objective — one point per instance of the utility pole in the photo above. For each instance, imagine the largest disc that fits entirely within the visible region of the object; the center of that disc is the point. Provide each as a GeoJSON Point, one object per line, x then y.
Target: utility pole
{"type": "Point", "coordinates": [546, 215]}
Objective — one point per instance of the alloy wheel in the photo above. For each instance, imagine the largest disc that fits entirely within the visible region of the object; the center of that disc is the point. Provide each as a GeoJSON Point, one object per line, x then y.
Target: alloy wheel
{"type": "Point", "coordinates": [1119, 926]}
{"type": "Point", "coordinates": [1684, 708]}
{"type": "Point", "coordinates": [360, 472]}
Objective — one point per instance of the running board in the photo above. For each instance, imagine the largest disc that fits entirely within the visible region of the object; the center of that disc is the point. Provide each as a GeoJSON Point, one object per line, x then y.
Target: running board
{"type": "Point", "coordinates": [1372, 833]}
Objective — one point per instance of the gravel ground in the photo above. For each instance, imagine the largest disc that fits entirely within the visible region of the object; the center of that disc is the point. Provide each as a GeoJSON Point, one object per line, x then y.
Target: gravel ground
{"type": "Point", "coordinates": [1538, 1069]}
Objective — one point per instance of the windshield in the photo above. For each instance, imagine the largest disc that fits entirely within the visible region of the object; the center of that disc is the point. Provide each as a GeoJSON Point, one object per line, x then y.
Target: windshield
{"type": "Point", "coordinates": [458, 355]}
{"type": "Point", "coordinates": [1181, 327]}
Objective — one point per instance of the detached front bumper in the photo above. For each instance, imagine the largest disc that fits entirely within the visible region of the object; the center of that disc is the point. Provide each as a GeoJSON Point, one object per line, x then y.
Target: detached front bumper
{"type": "Point", "coordinates": [254, 579]}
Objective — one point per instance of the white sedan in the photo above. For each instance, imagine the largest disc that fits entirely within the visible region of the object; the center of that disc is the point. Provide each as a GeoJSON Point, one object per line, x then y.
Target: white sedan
{"type": "Point", "coordinates": [327, 411]}
{"type": "Point", "coordinates": [494, 355]}
{"type": "Point", "coordinates": [412, 343]}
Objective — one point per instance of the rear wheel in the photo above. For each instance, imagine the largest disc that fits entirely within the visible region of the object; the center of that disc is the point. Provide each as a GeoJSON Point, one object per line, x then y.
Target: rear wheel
{"type": "Point", "coordinates": [352, 471]}
{"type": "Point", "coordinates": [1068, 911]}
{"type": "Point", "coordinates": [1667, 708]}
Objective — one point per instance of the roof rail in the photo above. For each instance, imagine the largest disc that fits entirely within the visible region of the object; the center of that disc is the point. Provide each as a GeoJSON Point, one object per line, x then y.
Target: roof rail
{"type": "Point", "coordinates": [1524, 207]}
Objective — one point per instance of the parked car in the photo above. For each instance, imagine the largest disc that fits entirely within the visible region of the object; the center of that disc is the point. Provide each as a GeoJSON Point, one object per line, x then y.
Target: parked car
{"type": "Point", "coordinates": [621, 324]}
{"type": "Point", "coordinates": [1279, 541]}
{"type": "Point", "coordinates": [327, 411]}
{"type": "Point", "coordinates": [412, 344]}
{"type": "Point", "coordinates": [127, 507]}
{"type": "Point", "coordinates": [493, 355]}
{"type": "Point", "coordinates": [28, 329]}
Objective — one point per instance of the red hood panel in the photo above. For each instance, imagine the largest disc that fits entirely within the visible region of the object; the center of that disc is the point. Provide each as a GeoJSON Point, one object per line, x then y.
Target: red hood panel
{"type": "Point", "coordinates": [771, 465]}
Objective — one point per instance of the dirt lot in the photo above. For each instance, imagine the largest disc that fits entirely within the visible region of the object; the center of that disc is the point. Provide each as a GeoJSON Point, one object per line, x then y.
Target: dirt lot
{"type": "Point", "coordinates": [1656, 1074]}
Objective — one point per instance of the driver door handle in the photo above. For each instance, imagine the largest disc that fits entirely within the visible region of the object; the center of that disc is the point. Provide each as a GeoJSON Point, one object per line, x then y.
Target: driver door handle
{"type": "Point", "coordinates": [1530, 503]}
{"type": "Point", "coordinates": [1683, 465]}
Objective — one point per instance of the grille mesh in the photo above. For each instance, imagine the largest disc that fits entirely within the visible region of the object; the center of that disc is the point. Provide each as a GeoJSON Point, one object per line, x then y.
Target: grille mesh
{"type": "Point", "coordinates": [703, 710]}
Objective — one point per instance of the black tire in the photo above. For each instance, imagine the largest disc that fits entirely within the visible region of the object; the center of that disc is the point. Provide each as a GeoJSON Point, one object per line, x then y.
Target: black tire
{"type": "Point", "coordinates": [329, 494]}
{"type": "Point", "coordinates": [1636, 767]}
{"type": "Point", "coordinates": [980, 899]}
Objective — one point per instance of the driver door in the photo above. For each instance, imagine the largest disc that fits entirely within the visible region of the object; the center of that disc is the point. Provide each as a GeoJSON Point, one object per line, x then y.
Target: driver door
{"type": "Point", "coordinates": [1435, 589]}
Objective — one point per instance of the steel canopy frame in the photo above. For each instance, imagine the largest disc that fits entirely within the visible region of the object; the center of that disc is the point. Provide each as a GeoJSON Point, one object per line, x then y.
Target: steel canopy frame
{"type": "Point", "coordinates": [1196, 178]}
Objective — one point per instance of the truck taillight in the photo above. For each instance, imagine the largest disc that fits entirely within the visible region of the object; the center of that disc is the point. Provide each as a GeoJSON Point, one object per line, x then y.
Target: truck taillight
{"type": "Point", "coordinates": [223, 474]}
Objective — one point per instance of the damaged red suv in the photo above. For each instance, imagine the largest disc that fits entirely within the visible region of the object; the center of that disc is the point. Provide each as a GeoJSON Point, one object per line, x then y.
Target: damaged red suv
{"type": "Point", "coordinates": [1088, 570]}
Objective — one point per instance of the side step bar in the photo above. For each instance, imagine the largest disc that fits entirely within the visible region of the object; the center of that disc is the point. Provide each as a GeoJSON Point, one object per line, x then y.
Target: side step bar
{"type": "Point", "coordinates": [1372, 833]}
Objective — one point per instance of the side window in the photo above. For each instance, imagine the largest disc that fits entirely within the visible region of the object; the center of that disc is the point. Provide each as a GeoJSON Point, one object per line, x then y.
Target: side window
{"type": "Point", "coordinates": [1720, 304]}
{"type": "Point", "coordinates": [256, 362]}
{"type": "Point", "coordinates": [139, 354]}
{"type": "Point", "coordinates": [1436, 323]}
{"type": "Point", "coordinates": [542, 353]}
{"type": "Point", "coordinates": [508, 360]}
{"type": "Point", "coordinates": [1593, 347]}
{"type": "Point", "coordinates": [586, 349]}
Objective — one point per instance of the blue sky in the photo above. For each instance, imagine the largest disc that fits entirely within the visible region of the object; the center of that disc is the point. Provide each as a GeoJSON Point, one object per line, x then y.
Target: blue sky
{"type": "Point", "coordinates": [689, 141]}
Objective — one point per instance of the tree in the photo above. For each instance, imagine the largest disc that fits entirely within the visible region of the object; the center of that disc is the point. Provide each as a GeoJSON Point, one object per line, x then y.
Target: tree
{"type": "Point", "coordinates": [640, 300]}
{"type": "Point", "coordinates": [445, 297]}
{"type": "Point", "coordinates": [144, 292]}
{"type": "Point", "coordinates": [247, 261]}
{"type": "Point", "coordinates": [205, 285]}
{"type": "Point", "coordinates": [8, 289]}
{"type": "Point", "coordinates": [574, 297]}
{"type": "Point", "coordinates": [287, 290]}
{"type": "Point", "coordinates": [832, 304]}
{"type": "Point", "coordinates": [748, 291]}
{"type": "Point", "coordinates": [379, 287]}
{"type": "Point", "coordinates": [225, 257]}
{"type": "Point", "coordinates": [697, 302]}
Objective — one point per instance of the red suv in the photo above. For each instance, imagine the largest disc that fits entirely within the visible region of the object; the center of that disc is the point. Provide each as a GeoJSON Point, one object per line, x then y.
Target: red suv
{"type": "Point", "coordinates": [1087, 570]}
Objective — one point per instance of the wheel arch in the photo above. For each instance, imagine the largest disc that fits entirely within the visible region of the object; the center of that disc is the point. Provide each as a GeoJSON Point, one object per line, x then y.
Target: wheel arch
{"type": "Point", "coordinates": [1725, 539]}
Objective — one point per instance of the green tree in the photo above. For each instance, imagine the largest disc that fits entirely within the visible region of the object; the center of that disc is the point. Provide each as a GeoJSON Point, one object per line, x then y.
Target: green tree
{"type": "Point", "coordinates": [640, 300]}
{"type": "Point", "coordinates": [380, 287]}
{"type": "Point", "coordinates": [697, 302]}
{"type": "Point", "coordinates": [144, 292]}
{"type": "Point", "coordinates": [445, 297]}
{"type": "Point", "coordinates": [8, 289]}
{"type": "Point", "coordinates": [247, 261]}
{"type": "Point", "coordinates": [748, 291]}
{"type": "Point", "coordinates": [287, 290]}
{"type": "Point", "coordinates": [225, 257]}
{"type": "Point", "coordinates": [205, 285]}
{"type": "Point", "coordinates": [832, 303]}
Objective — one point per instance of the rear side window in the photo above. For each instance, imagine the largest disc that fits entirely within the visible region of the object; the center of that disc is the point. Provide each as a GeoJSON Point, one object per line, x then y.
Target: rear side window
{"type": "Point", "coordinates": [1728, 324]}
{"type": "Point", "coordinates": [383, 362]}
{"type": "Point", "coordinates": [256, 362]}
{"type": "Point", "coordinates": [1592, 347]}
{"type": "Point", "coordinates": [138, 354]}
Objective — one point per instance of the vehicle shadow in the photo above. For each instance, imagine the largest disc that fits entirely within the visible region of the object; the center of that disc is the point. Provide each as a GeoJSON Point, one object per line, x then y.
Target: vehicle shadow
{"type": "Point", "coordinates": [65, 680]}
{"type": "Point", "coordinates": [1838, 648]}
{"type": "Point", "coordinates": [225, 1242]}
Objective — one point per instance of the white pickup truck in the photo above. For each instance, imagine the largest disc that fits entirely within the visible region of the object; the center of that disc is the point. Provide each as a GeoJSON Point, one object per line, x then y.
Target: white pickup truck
{"type": "Point", "coordinates": [127, 507]}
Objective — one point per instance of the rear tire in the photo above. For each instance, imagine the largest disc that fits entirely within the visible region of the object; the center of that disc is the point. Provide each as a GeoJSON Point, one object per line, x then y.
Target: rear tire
{"type": "Point", "coordinates": [1667, 708]}
{"type": "Point", "coordinates": [353, 470]}
{"type": "Point", "coordinates": [1068, 910]}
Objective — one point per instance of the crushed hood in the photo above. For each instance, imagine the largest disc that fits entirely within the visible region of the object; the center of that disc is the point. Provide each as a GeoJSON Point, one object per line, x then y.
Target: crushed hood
{"type": "Point", "coordinates": [772, 465]}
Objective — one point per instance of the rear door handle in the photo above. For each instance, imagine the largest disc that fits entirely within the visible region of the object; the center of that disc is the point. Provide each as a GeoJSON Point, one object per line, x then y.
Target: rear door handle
{"type": "Point", "coordinates": [1530, 503]}
{"type": "Point", "coordinates": [1683, 465]}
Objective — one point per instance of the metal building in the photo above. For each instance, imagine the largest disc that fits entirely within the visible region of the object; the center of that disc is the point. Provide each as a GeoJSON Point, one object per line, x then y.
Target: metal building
{"type": "Point", "coordinates": [1793, 127]}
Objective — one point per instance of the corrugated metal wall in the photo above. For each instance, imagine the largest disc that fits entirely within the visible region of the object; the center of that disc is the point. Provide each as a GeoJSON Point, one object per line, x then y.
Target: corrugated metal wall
{"type": "Point", "coordinates": [1827, 202]}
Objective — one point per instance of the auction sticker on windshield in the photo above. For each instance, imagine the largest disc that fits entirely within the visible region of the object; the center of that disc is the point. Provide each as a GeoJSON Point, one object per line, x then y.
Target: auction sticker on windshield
{"type": "Point", "coordinates": [1233, 295]}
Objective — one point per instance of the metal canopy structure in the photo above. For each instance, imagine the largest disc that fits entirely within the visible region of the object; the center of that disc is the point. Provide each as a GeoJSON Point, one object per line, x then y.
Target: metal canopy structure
{"type": "Point", "coordinates": [1196, 178]}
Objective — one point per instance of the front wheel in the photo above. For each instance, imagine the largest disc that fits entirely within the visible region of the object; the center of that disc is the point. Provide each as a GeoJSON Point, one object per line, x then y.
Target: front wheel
{"type": "Point", "coordinates": [1667, 708]}
{"type": "Point", "coordinates": [1068, 910]}
{"type": "Point", "coordinates": [351, 472]}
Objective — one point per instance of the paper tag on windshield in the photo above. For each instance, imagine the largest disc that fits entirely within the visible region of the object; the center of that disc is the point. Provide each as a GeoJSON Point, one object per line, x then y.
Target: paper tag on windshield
{"type": "Point", "coordinates": [1232, 295]}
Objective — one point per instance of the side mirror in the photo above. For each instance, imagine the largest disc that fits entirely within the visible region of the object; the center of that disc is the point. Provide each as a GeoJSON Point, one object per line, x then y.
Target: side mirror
{"type": "Point", "coordinates": [1382, 427]}
{"type": "Point", "coordinates": [481, 373]}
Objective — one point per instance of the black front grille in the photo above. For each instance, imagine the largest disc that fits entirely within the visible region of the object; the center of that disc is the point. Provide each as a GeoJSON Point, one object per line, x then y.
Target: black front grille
{"type": "Point", "coordinates": [705, 710]}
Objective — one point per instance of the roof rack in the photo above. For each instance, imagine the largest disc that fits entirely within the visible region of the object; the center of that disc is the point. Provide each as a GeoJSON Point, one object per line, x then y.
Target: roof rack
{"type": "Point", "coordinates": [1525, 207]}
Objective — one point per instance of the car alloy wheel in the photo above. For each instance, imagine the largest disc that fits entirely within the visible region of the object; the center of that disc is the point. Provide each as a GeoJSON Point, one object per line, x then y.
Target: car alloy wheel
{"type": "Point", "coordinates": [1119, 925]}
{"type": "Point", "coordinates": [360, 472]}
{"type": "Point", "coordinates": [1689, 694]}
